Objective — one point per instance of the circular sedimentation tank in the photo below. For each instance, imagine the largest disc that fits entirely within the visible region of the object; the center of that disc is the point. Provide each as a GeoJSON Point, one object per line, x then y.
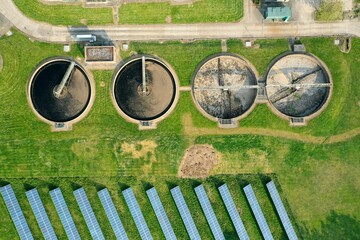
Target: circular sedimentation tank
{"type": "Point", "coordinates": [53, 103]}
{"type": "Point", "coordinates": [224, 86]}
{"type": "Point", "coordinates": [298, 85]}
{"type": "Point", "coordinates": [144, 88]}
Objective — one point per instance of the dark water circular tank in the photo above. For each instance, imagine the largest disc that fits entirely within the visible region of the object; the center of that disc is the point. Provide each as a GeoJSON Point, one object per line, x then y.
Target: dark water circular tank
{"type": "Point", "coordinates": [74, 97]}
{"type": "Point", "coordinates": [224, 86]}
{"type": "Point", "coordinates": [298, 84]}
{"type": "Point", "coordinates": [158, 96]}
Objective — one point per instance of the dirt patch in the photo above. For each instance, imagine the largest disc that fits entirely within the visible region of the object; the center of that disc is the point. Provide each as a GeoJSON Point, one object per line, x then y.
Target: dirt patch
{"type": "Point", "coordinates": [198, 161]}
{"type": "Point", "coordinates": [84, 21]}
{"type": "Point", "coordinates": [142, 149]}
{"type": "Point", "coordinates": [139, 149]}
{"type": "Point", "coordinates": [168, 19]}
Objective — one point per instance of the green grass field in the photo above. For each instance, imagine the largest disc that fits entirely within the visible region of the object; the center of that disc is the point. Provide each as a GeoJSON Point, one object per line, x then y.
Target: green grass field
{"type": "Point", "coordinates": [199, 11]}
{"type": "Point", "coordinates": [65, 14]}
{"type": "Point", "coordinates": [319, 181]}
{"type": "Point", "coordinates": [134, 13]}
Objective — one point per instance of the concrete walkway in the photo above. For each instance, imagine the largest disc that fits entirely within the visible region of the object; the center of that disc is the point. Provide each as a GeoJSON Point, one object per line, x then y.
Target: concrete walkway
{"type": "Point", "coordinates": [48, 33]}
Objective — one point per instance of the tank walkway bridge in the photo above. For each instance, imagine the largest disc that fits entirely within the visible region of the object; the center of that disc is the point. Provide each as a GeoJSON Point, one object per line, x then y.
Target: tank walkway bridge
{"type": "Point", "coordinates": [61, 34]}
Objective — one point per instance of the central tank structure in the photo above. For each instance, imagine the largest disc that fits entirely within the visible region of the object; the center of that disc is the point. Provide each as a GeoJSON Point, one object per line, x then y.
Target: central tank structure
{"type": "Point", "coordinates": [224, 87]}
{"type": "Point", "coordinates": [145, 90]}
{"type": "Point", "coordinates": [60, 91]}
{"type": "Point", "coordinates": [298, 85]}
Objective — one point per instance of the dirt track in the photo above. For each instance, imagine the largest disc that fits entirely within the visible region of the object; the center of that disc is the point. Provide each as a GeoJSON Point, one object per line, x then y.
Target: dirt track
{"type": "Point", "coordinates": [190, 130]}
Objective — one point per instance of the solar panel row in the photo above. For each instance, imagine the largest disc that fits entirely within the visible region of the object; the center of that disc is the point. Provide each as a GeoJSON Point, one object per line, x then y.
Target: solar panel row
{"type": "Point", "coordinates": [40, 214]}
{"type": "Point", "coordinates": [259, 216]}
{"type": "Point", "coordinates": [233, 213]}
{"type": "Point", "coordinates": [114, 219]}
{"type": "Point", "coordinates": [88, 214]}
{"type": "Point", "coordinates": [185, 213]}
{"type": "Point", "coordinates": [274, 194]}
{"type": "Point", "coordinates": [112, 214]}
{"type": "Point", "coordinates": [160, 213]}
{"type": "Point", "coordinates": [16, 213]}
{"type": "Point", "coordinates": [64, 214]}
{"type": "Point", "coordinates": [137, 214]}
{"type": "Point", "coordinates": [209, 212]}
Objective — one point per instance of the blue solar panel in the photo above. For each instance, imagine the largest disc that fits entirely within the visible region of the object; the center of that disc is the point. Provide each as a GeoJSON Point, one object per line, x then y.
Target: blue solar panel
{"type": "Point", "coordinates": [209, 212]}
{"type": "Point", "coordinates": [88, 214]}
{"type": "Point", "coordinates": [234, 214]}
{"type": "Point", "coordinates": [137, 214]}
{"type": "Point", "coordinates": [64, 214]}
{"type": "Point", "coordinates": [160, 214]}
{"type": "Point", "coordinates": [185, 213]}
{"type": "Point", "coordinates": [112, 214]}
{"type": "Point", "coordinates": [259, 216]}
{"type": "Point", "coordinates": [281, 211]}
{"type": "Point", "coordinates": [16, 213]}
{"type": "Point", "coordinates": [40, 214]}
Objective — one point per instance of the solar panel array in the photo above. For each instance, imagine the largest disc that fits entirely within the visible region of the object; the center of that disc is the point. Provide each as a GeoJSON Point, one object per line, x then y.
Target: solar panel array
{"type": "Point", "coordinates": [259, 216]}
{"type": "Point", "coordinates": [64, 214]}
{"type": "Point", "coordinates": [40, 214]}
{"type": "Point", "coordinates": [185, 213]}
{"type": "Point", "coordinates": [281, 211]}
{"type": "Point", "coordinates": [16, 213]}
{"type": "Point", "coordinates": [88, 214]}
{"type": "Point", "coordinates": [112, 214]}
{"type": "Point", "coordinates": [209, 212]}
{"type": "Point", "coordinates": [137, 214]}
{"type": "Point", "coordinates": [160, 213]}
{"type": "Point", "coordinates": [234, 214]}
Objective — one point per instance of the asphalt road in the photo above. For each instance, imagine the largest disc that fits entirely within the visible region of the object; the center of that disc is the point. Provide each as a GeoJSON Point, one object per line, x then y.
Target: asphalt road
{"type": "Point", "coordinates": [48, 33]}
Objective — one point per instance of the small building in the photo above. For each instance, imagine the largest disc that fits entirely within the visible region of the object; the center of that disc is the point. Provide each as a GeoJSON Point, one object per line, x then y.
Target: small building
{"type": "Point", "coordinates": [278, 13]}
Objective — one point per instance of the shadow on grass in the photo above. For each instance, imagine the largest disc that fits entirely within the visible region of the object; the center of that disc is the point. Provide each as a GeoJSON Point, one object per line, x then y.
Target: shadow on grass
{"type": "Point", "coordinates": [28, 186]}
{"type": "Point", "coordinates": [336, 226]}
{"type": "Point", "coordinates": [75, 186]}
{"type": "Point", "coordinates": [170, 185]}
{"type": "Point", "coordinates": [123, 186]}
{"type": "Point", "coordinates": [99, 186]}
{"type": "Point", "coordinates": [3, 183]}
{"type": "Point", "coordinates": [146, 185]}
{"type": "Point", "coordinates": [52, 186]}
{"type": "Point", "coordinates": [217, 181]}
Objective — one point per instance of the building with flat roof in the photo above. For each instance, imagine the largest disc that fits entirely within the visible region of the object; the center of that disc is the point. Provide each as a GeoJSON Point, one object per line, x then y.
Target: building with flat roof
{"type": "Point", "coordinates": [278, 13]}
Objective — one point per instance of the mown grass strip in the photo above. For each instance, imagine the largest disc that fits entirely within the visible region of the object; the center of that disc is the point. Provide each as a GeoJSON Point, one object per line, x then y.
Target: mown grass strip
{"type": "Point", "coordinates": [60, 14]}
{"type": "Point", "coordinates": [198, 12]}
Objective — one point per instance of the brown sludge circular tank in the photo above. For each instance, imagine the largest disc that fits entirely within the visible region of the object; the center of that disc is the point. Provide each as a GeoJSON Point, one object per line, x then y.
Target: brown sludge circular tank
{"type": "Point", "coordinates": [298, 85]}
{"type": "Point", "coordinates": [224, 86]}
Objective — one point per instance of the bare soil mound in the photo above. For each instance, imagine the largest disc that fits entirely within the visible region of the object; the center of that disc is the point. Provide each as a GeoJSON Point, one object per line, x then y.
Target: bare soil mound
{"type": "Point", "coordinates": [198, 161]}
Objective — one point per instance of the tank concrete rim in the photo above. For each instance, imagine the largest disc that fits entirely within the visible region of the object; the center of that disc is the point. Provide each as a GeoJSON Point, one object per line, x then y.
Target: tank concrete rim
{"type": "Point", "coordinates": [205, 60]}
{"type": "Point", "coordinates": [164, 64]}
{"type": "Point", "coordinates": [89, 77]}
{"type": "Point", "coordinates": [326, 72]}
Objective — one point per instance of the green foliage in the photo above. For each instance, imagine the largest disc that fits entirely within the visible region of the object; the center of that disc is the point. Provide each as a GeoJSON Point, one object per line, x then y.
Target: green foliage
{"type": "Point", "coordinates": [330, 11]}
{"type": "Point", "coordinates": [336, 226]}
{"type": "Point", "coordinates": [64, 14]}
{"type": "Point", "coordinates": [199, 11]}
